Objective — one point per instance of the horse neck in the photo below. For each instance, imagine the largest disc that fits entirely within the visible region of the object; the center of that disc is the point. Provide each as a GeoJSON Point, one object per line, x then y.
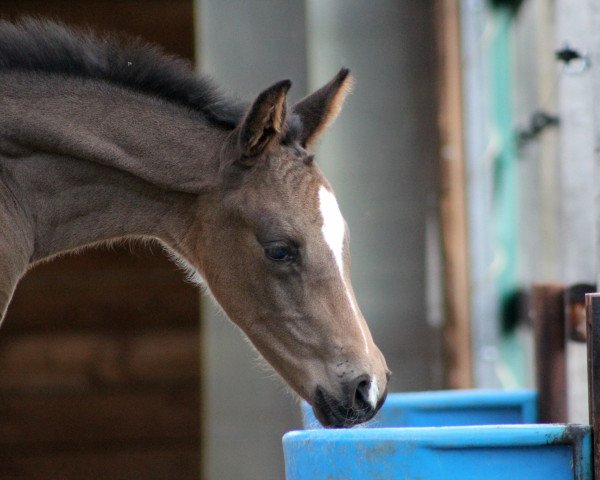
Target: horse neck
{"type": "Point", "coordinates": [92, 162]}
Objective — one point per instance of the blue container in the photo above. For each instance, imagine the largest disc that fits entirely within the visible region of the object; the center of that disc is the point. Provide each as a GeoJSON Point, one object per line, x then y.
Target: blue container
{"type": "Point", "coordinates": [449, 408]}
{"type": "Point", "coordinates": [492, 452]}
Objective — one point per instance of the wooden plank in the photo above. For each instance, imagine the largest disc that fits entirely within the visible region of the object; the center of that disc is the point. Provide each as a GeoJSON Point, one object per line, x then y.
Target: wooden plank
{"type": "Point", "coordinates": [122, 463]}
{"type": "Point", "coordinates": [169, 23]}
{"type": "Point", "coordinates": [119, 289]}
{"type": "Point", "coordinates": [65, 420]}
{"type": "Point", "coordinates": [457, 331]}
{"type": "Point", "coordinates": [39, 361]}
{"type": "Point", "coordinates": [549, 326]}
{"type": "Point", "coordinates": [592, 303]}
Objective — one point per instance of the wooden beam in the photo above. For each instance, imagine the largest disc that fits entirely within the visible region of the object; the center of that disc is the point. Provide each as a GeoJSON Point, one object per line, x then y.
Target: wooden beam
{"type": "Point", "coordinates": [92, 418]}
{"type": "Point", "coordinates": [150, 462]}
{"type": "Point", "coordinates": [457, 331]}
{"type": "Point", "coordinates": [42, 362]}
{"type": "Point", "coordinates": [103, 290]}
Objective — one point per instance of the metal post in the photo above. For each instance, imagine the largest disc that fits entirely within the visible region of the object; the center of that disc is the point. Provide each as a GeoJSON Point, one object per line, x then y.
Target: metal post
{"type": "Point", "coordinates": [592, 304]}
{"type": "Point", "coordinates": [547, 307]}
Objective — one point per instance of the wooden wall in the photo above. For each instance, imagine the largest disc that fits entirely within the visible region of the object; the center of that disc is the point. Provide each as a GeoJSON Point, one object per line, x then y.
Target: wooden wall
{"type": "Point", "coordinates": [166, 22]}
{"type": "Point", "coordinates": [99, 353]}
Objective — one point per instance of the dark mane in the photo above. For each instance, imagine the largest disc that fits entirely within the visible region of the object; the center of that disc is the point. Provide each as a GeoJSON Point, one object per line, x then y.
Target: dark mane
{"type": "Point", "coordinates": [46, 46]}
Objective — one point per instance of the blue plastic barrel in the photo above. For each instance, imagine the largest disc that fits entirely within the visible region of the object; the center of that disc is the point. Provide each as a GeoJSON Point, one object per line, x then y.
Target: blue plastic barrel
{"type": "Point", "coordinates": [492, 452]}
{"type": "Point", "coordinates": [450, 408]}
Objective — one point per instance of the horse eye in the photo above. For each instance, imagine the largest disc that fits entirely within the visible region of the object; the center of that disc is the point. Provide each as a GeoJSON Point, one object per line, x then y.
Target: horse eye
{"type": "Point", "coordinates": [280, 252]}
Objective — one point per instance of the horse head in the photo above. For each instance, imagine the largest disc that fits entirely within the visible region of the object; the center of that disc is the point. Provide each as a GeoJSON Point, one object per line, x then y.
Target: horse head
{"type": "Point", "coordinates": [275, 254]}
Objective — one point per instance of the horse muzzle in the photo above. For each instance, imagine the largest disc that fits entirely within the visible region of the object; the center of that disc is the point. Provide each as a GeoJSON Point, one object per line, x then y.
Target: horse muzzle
{"type": "Point", "coordinates": [358, 403]}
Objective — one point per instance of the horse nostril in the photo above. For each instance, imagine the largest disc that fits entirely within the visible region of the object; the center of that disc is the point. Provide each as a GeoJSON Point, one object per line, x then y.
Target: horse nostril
{"type": "Point", "coordinates": [358, 392]}
{"type": "Point", "coordinates": [361, 395]}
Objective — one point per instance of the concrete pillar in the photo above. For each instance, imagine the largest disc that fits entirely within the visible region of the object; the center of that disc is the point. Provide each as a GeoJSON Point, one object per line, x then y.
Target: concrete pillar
{"type": "Point", "coordinates": [246, 46]}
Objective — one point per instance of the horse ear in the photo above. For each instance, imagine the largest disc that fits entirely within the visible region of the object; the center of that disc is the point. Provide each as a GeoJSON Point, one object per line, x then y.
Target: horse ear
{"type": "Point", "coordinates": [264, 120]}
{"type": "Point", "coordinates": [320, 109]}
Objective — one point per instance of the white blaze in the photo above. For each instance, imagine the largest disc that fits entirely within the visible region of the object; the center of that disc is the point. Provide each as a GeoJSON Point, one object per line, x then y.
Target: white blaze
{"type": "Point", "coordinates": [333, 231]}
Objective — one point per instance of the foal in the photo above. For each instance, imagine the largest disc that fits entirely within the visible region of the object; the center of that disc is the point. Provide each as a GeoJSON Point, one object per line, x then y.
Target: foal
{"type": "Point", "coordinates": [108, 138]}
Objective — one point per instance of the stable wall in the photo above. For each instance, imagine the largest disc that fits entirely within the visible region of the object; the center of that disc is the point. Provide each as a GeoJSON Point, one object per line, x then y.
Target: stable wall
{"type": "Point", "coordinates": [99, 352]}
